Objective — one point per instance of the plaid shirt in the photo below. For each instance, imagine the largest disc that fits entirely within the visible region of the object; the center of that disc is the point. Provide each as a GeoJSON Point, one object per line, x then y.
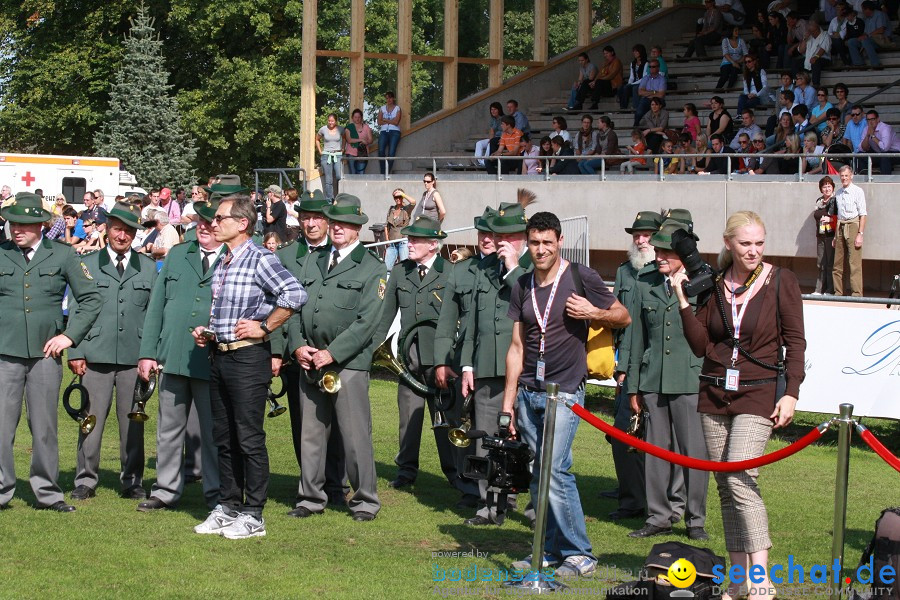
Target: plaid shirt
{"type": "Point", "coordinates": [57, 230]}
{"type": "Point", "coordinates": [248, 284]}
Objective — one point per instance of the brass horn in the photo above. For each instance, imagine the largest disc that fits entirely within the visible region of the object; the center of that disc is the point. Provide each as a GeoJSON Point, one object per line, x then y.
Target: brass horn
{"type": "Point", "coordinates": [404, 347]}
{"type": "Point", "coordinates": [457, 435]}
{"type": "Point", "coordinates": [329, 382]}
{"type": "Point", "coordinates": [143, 390]}
{"type": "Point", "coordinates": [80, 415]}
{"type": "Point", "coordinates": [272, 397]}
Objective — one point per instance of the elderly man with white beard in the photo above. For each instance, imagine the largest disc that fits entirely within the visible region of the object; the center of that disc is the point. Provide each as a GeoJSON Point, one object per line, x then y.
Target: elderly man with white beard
{"type": "Point", "coordinates": [629, 465]}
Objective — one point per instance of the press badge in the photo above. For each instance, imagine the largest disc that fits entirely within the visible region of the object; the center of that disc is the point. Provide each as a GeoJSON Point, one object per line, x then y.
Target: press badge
{"type": "Point", "coordinates": [732, 379]}
{"type": "Point", "coordinates": [539, 374]}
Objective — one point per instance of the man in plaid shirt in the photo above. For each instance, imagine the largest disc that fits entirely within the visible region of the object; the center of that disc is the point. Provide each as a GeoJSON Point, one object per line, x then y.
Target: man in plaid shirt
{"type": "Point", "coordinates": [253, 294]}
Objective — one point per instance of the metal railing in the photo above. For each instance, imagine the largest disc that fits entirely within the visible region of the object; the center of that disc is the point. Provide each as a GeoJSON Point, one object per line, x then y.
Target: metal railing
{"type": "Point", "coordinates": [284, 177]}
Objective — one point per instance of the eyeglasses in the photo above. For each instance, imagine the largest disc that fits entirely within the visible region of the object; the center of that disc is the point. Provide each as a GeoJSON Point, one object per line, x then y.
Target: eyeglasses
{"type": "Point", "coordinates": [220, 218]}
{"type": "Point", "coordinates": [428, 181]}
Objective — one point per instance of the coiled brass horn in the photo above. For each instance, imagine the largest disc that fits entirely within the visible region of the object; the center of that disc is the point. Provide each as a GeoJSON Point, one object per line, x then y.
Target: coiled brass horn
{"type": "Point", "coordinates": [272, 397]}
{"type": "Point", "coordinates": [329, 381]}
{"type": "Point", "coordinates": [80, 415]}
{"type": "Point", "coordinates": [404, 347]}
{"type": "Point", "coordinates": [457, 435]}
{"type": "Point", "coordinates": [143, 390]}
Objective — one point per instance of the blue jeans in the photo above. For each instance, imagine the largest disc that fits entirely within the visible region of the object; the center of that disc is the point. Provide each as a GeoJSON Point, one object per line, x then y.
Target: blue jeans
{"type": "Point", "coordinates": [589, 167]}
{"type": "Point", "coordinates": [566, 530]}
{"type": "Point", "coordinates": [394, 253]}
{"type": "Point", "coordinates": [332, 172]}
{"type": "Point", "coordinates": [356, 167]}
{"type": "Point", "coordinates": [387, 146]}
{"type": "Point", "coordinates": [745, 102]}
{"type": "Point", "coordinates": [868, 45]}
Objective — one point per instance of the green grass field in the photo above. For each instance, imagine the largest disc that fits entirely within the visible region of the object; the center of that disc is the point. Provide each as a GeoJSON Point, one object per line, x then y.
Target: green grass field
{"type": "Point", "coordinates": [108, 550]}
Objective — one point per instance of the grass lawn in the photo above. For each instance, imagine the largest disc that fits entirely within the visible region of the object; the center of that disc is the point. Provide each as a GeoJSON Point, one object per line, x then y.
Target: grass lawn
{"type": "Point", "coordinates": [108, 550]}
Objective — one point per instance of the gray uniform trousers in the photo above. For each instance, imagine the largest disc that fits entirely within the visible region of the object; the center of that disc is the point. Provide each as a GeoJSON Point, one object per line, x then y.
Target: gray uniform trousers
{"type": "Point", "coordinates": [193, 446]}
{"type": "Point", "coordinates": [674, 417]}
{"type": "Point", "coordinates": [99, 380]}
{"type": "Point", "coordinates": [38, 379]}
{"type": "Point", "coordinates": [176, 395]}
{"type": "Point", "coordinates": [629, 465]}
{"type": "Point", "coordinates": [351, 409]}
{"type": "Point", "coordinates": [488, 404]}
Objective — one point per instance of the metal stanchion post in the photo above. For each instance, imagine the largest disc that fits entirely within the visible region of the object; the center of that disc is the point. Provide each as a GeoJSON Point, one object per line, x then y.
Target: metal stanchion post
{"type": "Point", "coordinates": [844, 421]}
{"type": "Point", "coordinates": [534, 581]}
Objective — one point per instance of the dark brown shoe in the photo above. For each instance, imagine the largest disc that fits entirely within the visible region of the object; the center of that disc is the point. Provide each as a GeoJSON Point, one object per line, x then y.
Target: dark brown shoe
{"type": "Point", "coordinates": [60, 506]}
{"type": "Point", "coordinates": [152, 504]}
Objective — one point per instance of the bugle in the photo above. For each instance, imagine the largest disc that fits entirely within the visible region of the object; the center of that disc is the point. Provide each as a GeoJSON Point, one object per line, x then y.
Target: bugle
{"type": "Point", "coordinates": [329, 381]}
{"type": "Point", "coordinates": [272, 397]}
{"type": "Point", "coordinates": [458, 435]}
{"type": "Point", "coordinates": [143, 390]}
{"type": "Point", "coordinates": [80, 415]}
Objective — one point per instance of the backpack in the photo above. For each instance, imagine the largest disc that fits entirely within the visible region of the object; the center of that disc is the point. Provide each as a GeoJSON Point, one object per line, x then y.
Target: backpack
{"type": "Point", "coordinates": [884, 550]}
{"type": "Point", "coordinates": [656, 567]}
{"type": "Point", "coordinates": [601, 355]}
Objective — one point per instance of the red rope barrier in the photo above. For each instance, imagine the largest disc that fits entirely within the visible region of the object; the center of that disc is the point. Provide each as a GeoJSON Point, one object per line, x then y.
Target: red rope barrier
{"type": "Point", "coordinates": [696, 463]}
{"type": "Point", "coordinates": [879, 448]}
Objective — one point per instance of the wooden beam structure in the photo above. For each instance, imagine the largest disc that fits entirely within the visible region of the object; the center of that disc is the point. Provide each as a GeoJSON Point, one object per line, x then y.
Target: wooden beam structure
{"type": "Point", "coordinates": [495, 43]}
{"type": "Point", "coordinates": [541, 26]}
{"type": "Point", "coordinates": [358, 47]}
{"type": "Point", "coordinates": [585, 20]}
{"type": "Point", "coordinates": [308, 88]}
{"type": "Point", "coordinates": [626, 13]}
{"type": "Point", "coordinates": [404, 65]}
{"type": "Point", "coordinates": [451, 50]}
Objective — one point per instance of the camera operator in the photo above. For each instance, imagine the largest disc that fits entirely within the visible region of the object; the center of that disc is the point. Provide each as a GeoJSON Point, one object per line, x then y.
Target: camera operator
{"type": "Point", "coordinates": [548, 345]}
{"type": "Point", "coordinates": [275, 213]}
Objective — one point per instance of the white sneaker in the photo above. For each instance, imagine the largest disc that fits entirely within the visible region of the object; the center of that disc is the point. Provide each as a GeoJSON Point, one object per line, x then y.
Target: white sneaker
{"type": "Point", "coordinates": [577, 566]}
{"type": "Point", "coordinates": [217, 521]}
{"type": "Point", "coordinates": [245, 526]}
{"type": "Point", "coordinates": [525, 564]}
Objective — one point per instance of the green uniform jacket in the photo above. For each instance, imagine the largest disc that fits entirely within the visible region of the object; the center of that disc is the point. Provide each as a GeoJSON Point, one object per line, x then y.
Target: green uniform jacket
{"type": "Point", "coordinates": [488, 328]}
{"type": "Point", "coordinates": [180, 301]}
{"type": "Point", "coordinates": [448, 336]}
{"type": "Point", "coordinates": [417, 301]}
{"type": "Point", "coordinates": [344, 308]}
{"type": "Point", "coordinates": [660, 359]}
{"type": "Point", "coordinates": [31, 296]}
{"type": "Point", "coordinates": [292, 256]}
{"type": "Point", "coordinates": [116, 335]}
{"type": "Point", "coordinates": [626, 292]}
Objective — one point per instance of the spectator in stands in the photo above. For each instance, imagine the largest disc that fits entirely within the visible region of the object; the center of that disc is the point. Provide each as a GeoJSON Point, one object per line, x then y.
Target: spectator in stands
{"type": "Point", "coordinates": [855, 129]}
{"type": "Point", "coordinates": [796, 33]}
{"type": "Point", "coordinates": [757, 45]}
{"type": "Point", "coordinates": [814, 152]}
{"type": "Point", "coordinates": [608, 79]}
{"type": "Point", "coordinates": [691, 121]}
{"type": "Point", "coordinates": [357, 138]}
{"type": "Point", "coordinates": [652, 86]}
{"type": "Point", "coordinates": [70, 216]}
{"type": "Point", "coordinates": [800, 117]}
{"type": "Point", "coordinates": [756, 90]}
{"type": "Point", "coordinates": [58, 204]}
{"type": "Point", "coordinates": [784, 129]}
{"type": "Point", "coordinates": [581, 87]}
{"type": "Point", "coordinates": [561, 128]}
{"type": "Point", "coordinates": [842, 101]}
{"type": "Point", "coordinates": [510, 145]}
{"type": "Point", "coordinates": [530, 165]}
{"type": "Point", "coordinates": [856, 39]}
{"type": "Point", "coordinates": [734, 49]}
{"type": "Point", "coordinates": [709, 30]}
{"type": "Point", "coordinates": [878, 28]}
{"type": "Point", "coordinates": [748, 126]}
{"type": "Point", "coordinates": [718, 163]}
{"type": "Point", "coordinates": [585, 142]}
{"type": "Point", "coordinates": [397, 218]}
{"type": "Point", "coordinates": [817, 52]}
{"type": "Point", "coordinates": [732, 12]}
{"type": "Point", "coordinates": [880, 138]}
{"type": "Point", "coordinates": [745, 150]}
{"type": "Point", "coordinates": [804, 93]}
{"type": "Point", "coordinates": [94, 239]}
{"type": "Point", "coordinates": [790, 165]}
{"type": "Point", "coordinates": [171, 206]}
{"type": "Point", "coordinates": [388, 120]}
{"type": "Point", "coordinates": [521, 121]}
{"type": "Point", "coordinates": [546, 150]}
{"type": "Point", "coordinates": [656, 52]}
{"type": "Point", "coordinates": [607, 144]}
{"type": "Point", "coordinates": [848, 241]}
{"type": "Point", "coordinates": [329, 144]}
{"type": "Point", "coordinates": [562, 166]}
{"type": "Point", "coordinates": [776, 38]}
{"type": "Point", "coordinates": [431, 204]}
{"type": "Point", "coordinates": [686, 145]}
{"type": "Point", "coordinates": [636, 149]}
{"type": "Point", "coordinates": [702, 146]}
{"type": "Point", "coordinates": [786, 104]}
{"type": "Point", "coordinates": [483, 147]}
{"type": "Point", "coordinates": [291, 198]}
{"type": "Point", "coordinates": [834, 128]}
{"type": "Point", "coordinates": [819, 112]}
{"type": "Point", "coordinates": [654, 125]}
{"type": "Point", "coordinates": [754, 163]}
{"type": "Point", "coordinates": [825, 221]}
{"type": "Point", "coordinates": [166, 236]}
{"type": "Point", "coordinates": [719, 120]}
{"type": "Point", "coordinates": [837, 31]}
{"type": "Point", "coordinates": [635, 75]}
{"type": "Point", "coordinates": [669, 165]}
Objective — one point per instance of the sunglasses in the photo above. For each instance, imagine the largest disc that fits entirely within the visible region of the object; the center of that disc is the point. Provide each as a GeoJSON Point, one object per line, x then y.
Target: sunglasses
{"type": "Point", "coordinates": [398, 197]}
{"type": "Point", "coordinates": [428, 181]}
{"type": "Point", "coordinates": [759, 141]}
{"type": "Point", "coordinates": [220, 218]}
{"type": "Point", "coordinates": [855, 114]}
{"type": "Point", "coordinates": [833, 119]}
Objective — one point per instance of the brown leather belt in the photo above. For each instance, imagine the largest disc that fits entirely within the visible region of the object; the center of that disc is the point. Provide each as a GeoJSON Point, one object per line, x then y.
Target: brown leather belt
{"type": "Point", "coordinates": [241, 344]}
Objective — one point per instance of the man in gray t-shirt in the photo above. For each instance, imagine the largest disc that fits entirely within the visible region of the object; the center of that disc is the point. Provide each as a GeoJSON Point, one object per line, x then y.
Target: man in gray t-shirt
{"type": "Point", "coordinates": [581, 88]}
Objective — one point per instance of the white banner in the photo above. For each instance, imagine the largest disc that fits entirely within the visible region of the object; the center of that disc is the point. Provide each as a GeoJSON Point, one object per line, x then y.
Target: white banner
{"type": "Point", "coordinates": [852, 355]}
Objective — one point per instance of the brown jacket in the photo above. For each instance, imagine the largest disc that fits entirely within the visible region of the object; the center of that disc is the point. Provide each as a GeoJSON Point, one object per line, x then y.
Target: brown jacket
{"type": "Point", "coordinates": [612, 72]}
{"type": "Point", "coordinates": [707, 338]}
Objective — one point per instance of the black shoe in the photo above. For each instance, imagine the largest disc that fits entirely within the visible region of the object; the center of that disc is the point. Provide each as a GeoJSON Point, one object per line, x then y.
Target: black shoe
{"type": "Point", "coordinates": [301, 512]}
{"type": "Point", "coordinates": [82, 492]}
{"type": "Point", "coordinates": [152, 504]}
{"type": "Point", "coordinates": [626, 514]}
{"type": "Point", "coordinates": [135, 492]}
{"type": "Point", "coordinates": [5, 506]}
{"type": "Point", "coordinates": [468, 501]}
{"type": "Point", "coordinates": [697, 533]}
{"type": "Point", "coordinates": [401, 482]}
{"type": "Point", "coordinates": [650, 531]}
{"type": "Point", "coordinates": [611, 494]}
{"type": "Point", "coordinates": [478, 521]}
{"type": "Point", "coordinates": [363, 516]}
{"type": "Point", "coordinates": [60, 506]}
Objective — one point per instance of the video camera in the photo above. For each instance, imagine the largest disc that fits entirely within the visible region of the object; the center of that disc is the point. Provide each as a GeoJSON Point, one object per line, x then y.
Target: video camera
{"type": "Point", "coordinates": [701, 276]}
{"type": "Point", "coordinates": [507, 466]}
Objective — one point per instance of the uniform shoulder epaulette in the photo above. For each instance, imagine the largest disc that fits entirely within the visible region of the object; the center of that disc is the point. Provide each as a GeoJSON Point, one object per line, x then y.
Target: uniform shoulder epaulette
{"type": "Point", "coordinates": [286, 244]}
{"type": "Point", "coordinates": [624, 262]}
{"type": "Point", "coordinates": [146, 257]}
{"type": "Point", "coordinates": [84, 254]}
{"type": "Point", "coordinates": [648, 269]}
{"type": "Point", "coordinates": [375, 254]}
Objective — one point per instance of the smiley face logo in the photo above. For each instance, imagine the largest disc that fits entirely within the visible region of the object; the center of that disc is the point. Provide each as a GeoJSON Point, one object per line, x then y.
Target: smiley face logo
{"type": "Point", "coordinates": [682, 573]}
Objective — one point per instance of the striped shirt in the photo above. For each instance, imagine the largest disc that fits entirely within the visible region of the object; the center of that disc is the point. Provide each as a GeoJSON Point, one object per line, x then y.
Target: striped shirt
{"type": "Point", "coordinates": [248, 284]}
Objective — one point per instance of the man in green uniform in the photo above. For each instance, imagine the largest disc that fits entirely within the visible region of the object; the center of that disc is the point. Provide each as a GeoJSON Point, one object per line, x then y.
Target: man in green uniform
{"type": "Point", "coordinates": [34, 273]}
{"type": "Point", "coordinates": [107, 357]}
{"type": "Point", "coordinates": [663, 376]}
{"type": "Point", "coordinates": [417, 286]}
{"type": "Point", "coordinates": [488, 333]}
{"type": "Point", "coordinates": [335, 333]}
{"type": "Point", "coordinates": [314, 225]}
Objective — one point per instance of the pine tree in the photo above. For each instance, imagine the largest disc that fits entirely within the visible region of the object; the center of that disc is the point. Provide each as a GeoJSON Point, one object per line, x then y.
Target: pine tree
{"type": "Point", "coordinates": [143, 126]}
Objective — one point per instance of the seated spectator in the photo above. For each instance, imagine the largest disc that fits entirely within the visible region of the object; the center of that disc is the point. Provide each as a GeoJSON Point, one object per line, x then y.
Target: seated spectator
{"type": "Point", "coordinates": [732, 12]}
{"type": "Point", "coordinates": [651, 86]}
{"type": "Point", "coordinates": [561, 128]}
{"type": "Point", "coordinates": [608, 79]}
{"type": "Point", "coordinates": [757, 45]}
{"type": "Point", "coordinates": [880, 138]}
{"type": "Point", "coordinates": [784, 129]}
{"type": "Point", "coordinates": [654, 125]}
{"type": "Point", "coordinates": [702, 147]}
{"type": "Point", "coordinates": [656, 52]}
{"type": "Point", "coordinates": [753, 163]}
{"type": "Point", "coordinates": [837, 31]}
{"type": "Point", "coordinates": [530, 165]}
{"type": "Point", "coordinates": [734, 49]}
{"type": "Point", "coordinates": [804, 93]}
{"type": "Point", "coordinates": [562, 166]}
{"type": "Point", "coordinates": [70, 216]}
{"type": "Point", "coordinates": [834, 128]}
{"type": "Point", "coordinates": [878, 28]}
{"type": "Point", "coordinates": [709, 30]}
{"type": "Point", "coordinates": [483, 147]}
{"type": "Point", "coordinates": [855, 129]}
{"type": "Point", "coordinates": [669, 165]}
{"type": "Point", "coordinates": [785, 105]}
{"type": "Point", "coordinates": [819, 112]}
{"type": "Point", "coordinates": [521, 121]}
{"type": "Point", "coordinates": [756, 91]}
{"type": "Point", "coordinates": [842, 101]}
{"type": "Point", "coordinates": [780, 6]}
{"type": "Point", "coordinates": [686, 146]}
{"type": "Point", "coordinates": [94, 240]}
{"type": "Point", "coordinates": [585, 142]}
{"type": "Point", "coordinates": [636, 149]}
{"type": "Point", "coordinates": [546, 151]}
{"type": "Point", "coordinates": [166, 237]}
{"type": "Point", "coordinates": [776, 37]}
{"type": "Point", "coordinates": [635, 75]}
{"type": "Point", "coordinates": [796, 33]}
{"type": "Point", "coordinates": [748, 126]}
{"type": "Point", "coordinates": [581, 87]}
{"type": "Point", "coordinates": [55, 228]}
{"type": "Point", "coordinates": [800, 117]}
{"type": "Point", "coordinates": [790, 165]}
{"type": "Point", "coordinates": [857, 39]}
{"type": "Point", "coordinates": [718, 162]}
{"type": "Point", "coordinates": [814, 152]}
{"type": "Point", "coordinates": [510, 145]}
{"type": "Point", "coordinates": [745, 149]}
{"type": "Point", "coordinates": [691, 121]}
{"type": "Point", "coordinates": [719, 122]}
{"type": "Point", "coordinates": [607, 145]}
{"type": "Point", "coordinates": [816, 53]}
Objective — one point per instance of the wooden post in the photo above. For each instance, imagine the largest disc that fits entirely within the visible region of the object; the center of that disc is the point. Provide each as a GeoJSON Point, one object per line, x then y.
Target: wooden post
{"type": "Point", "coordinates": [404, 65]}
{"type": "Point", "coordinates": [667, 3]}
{"type": "Point", "coordinates": [495, 44]}
{"type": "Point", "coordinates": [626, 13]}
{"type": "Point", "coordinates": [308, 89]}
{"type": "Point", "coordinates": [585, 20]}
{"type": "Point", "coordinates": [541, 24]}
{"type": "Point", "coordinates": [357, 44]}
{"type": "Point", "coordinates": [451, 48]}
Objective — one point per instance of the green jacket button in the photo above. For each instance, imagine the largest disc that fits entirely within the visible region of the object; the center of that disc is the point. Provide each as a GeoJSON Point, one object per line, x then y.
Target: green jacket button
{"type": "Point", "coordinates": [27, 285]}
{"type": "Point", "coordinates": [668, 352]}
{"type": "Point", "coordinates": [193, 314]}
{"type": "Point", "coordinates": [28, 310]}
{"type": "Point", "coordinates": [668, 337]}
{"type": "Point", "coordinates": [27, 298]}
{"type": "Point", "coordinates": [121, 329]}
{"type": "Point", "coordinates": [121, 300]}
{"type": "Point", "coordinates": [668, 323]}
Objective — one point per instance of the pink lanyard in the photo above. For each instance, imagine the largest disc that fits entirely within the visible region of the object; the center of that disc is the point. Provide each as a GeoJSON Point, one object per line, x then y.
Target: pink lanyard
{"type": "Point", "coordinates": [738, 317]}
{"type": "Point", "coordinates": [542, 322]}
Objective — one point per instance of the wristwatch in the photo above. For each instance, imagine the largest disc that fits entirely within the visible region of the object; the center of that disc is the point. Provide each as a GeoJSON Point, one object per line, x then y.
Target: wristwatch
{"type": "Point", "coordinates": [264, 326]}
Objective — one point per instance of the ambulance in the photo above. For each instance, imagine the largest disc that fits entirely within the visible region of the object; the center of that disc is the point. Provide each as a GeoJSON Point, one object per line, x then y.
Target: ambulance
{"type": "Point", "coordinates": [71, 176]}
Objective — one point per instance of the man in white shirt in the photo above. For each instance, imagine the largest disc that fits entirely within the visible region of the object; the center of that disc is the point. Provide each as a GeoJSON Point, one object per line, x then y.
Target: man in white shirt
{"type": "Point", "coordinates": [749, 127]}
{"type": "Point", "coordinates": [851, 206]}
{"type": "Point", "coordinates": [817, 53]}
{"type": "Point", "coordinates": [166, 236]}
